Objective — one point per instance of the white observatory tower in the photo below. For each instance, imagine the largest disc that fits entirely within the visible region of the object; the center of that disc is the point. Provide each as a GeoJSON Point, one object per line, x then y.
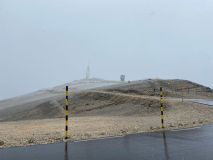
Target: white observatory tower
{"type": "Point", "coordinates": [88, 72]}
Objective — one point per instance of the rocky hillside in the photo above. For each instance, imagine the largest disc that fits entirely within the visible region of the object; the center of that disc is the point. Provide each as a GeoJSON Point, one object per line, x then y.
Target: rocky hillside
{"type": "Point", "coordinates": [172, 88]}
{"type": "Point", "coordinates": [98, 97]}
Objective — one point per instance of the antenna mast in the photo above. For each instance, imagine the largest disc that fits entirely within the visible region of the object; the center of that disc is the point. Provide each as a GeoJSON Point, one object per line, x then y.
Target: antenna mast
{"type": "Point", "coordinates": [88, 72]}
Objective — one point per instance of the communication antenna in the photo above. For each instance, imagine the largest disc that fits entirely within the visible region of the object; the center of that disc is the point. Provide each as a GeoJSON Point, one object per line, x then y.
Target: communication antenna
{"type": "Point", "coordinates": [88, 72]}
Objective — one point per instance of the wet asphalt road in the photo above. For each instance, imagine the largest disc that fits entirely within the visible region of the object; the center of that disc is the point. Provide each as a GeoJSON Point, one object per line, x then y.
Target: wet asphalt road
{"type": "Point", "coordinates": [203, 101]}
{"type": "Point", "coordinates": [194, 144]}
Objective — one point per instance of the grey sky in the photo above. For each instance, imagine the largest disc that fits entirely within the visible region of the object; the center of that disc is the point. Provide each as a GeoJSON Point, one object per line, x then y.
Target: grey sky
{"type": "Point", "coordinates": [44, 43]}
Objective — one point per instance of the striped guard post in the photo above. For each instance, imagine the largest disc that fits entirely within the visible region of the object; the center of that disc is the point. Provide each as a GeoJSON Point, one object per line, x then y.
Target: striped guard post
{"type": "Point", "coordinates": [66, 113]}
{"type": "Point", "coordinates": [161, 107]}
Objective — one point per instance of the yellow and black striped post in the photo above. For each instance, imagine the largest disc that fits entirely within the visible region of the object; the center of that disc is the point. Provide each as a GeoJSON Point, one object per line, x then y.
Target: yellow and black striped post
{"type": "Point", "coordinates": [161, 107]}
{"type": "Point", "coordinates": [66, 113]}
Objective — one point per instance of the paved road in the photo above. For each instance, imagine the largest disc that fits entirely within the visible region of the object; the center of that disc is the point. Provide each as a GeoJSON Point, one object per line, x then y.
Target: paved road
{"type": "Point", "coordinates": [203, 101]}
{"type": "Point", "coordinates": [195, 144]}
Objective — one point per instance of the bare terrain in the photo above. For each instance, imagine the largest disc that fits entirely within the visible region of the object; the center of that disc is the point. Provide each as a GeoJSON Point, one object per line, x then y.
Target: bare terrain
{"type": "Point", "coordinates": [100, 109]}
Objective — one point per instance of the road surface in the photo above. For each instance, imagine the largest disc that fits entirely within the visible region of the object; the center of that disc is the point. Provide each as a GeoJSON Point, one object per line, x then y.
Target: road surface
{"type": "Point", "coordinates": [192, 144]}
{"type": "Point", "coordinates": [203, 101]}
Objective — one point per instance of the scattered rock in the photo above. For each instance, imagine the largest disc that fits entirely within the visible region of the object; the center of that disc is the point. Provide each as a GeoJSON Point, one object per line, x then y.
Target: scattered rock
{"type": "Point", "coordinates": [58, 138]}
{"type": "Point", "coordinates": [180, 125]}
{"type": "Point", "coordinates": [31, 140]}
{"type": "Point", "coordinates": [1, 143]}
{"type": "Point", "coordinates": [102, 133]}
{"type": "Point", "coordinates": [201, 122]}
{"type": "Point", "coordinates": [123, 131]}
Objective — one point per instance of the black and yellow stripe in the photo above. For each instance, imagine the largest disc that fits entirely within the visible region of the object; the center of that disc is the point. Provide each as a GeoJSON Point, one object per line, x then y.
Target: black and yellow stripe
{"type": "Point", "coordinates": [161, 107]}
{"type": "Point", "coordinates": [66, 113]}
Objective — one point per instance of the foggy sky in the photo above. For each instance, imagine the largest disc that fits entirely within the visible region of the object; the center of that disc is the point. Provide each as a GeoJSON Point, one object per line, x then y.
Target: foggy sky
{"type": "Point", "coordinates": [44, 43]}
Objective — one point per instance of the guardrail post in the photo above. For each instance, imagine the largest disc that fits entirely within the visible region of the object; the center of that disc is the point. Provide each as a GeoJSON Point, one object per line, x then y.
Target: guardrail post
{"type": "Point", "coordinates": [161, 107]}
{"type": "Point", "coordinates": [66, 112]}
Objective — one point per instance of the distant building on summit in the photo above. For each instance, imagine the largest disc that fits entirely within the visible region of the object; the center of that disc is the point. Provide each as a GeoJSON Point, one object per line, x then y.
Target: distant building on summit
{"type": "Point", "coordinates": [122, 78]}
{"type": "Point", "coordinates": [88, 72]}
